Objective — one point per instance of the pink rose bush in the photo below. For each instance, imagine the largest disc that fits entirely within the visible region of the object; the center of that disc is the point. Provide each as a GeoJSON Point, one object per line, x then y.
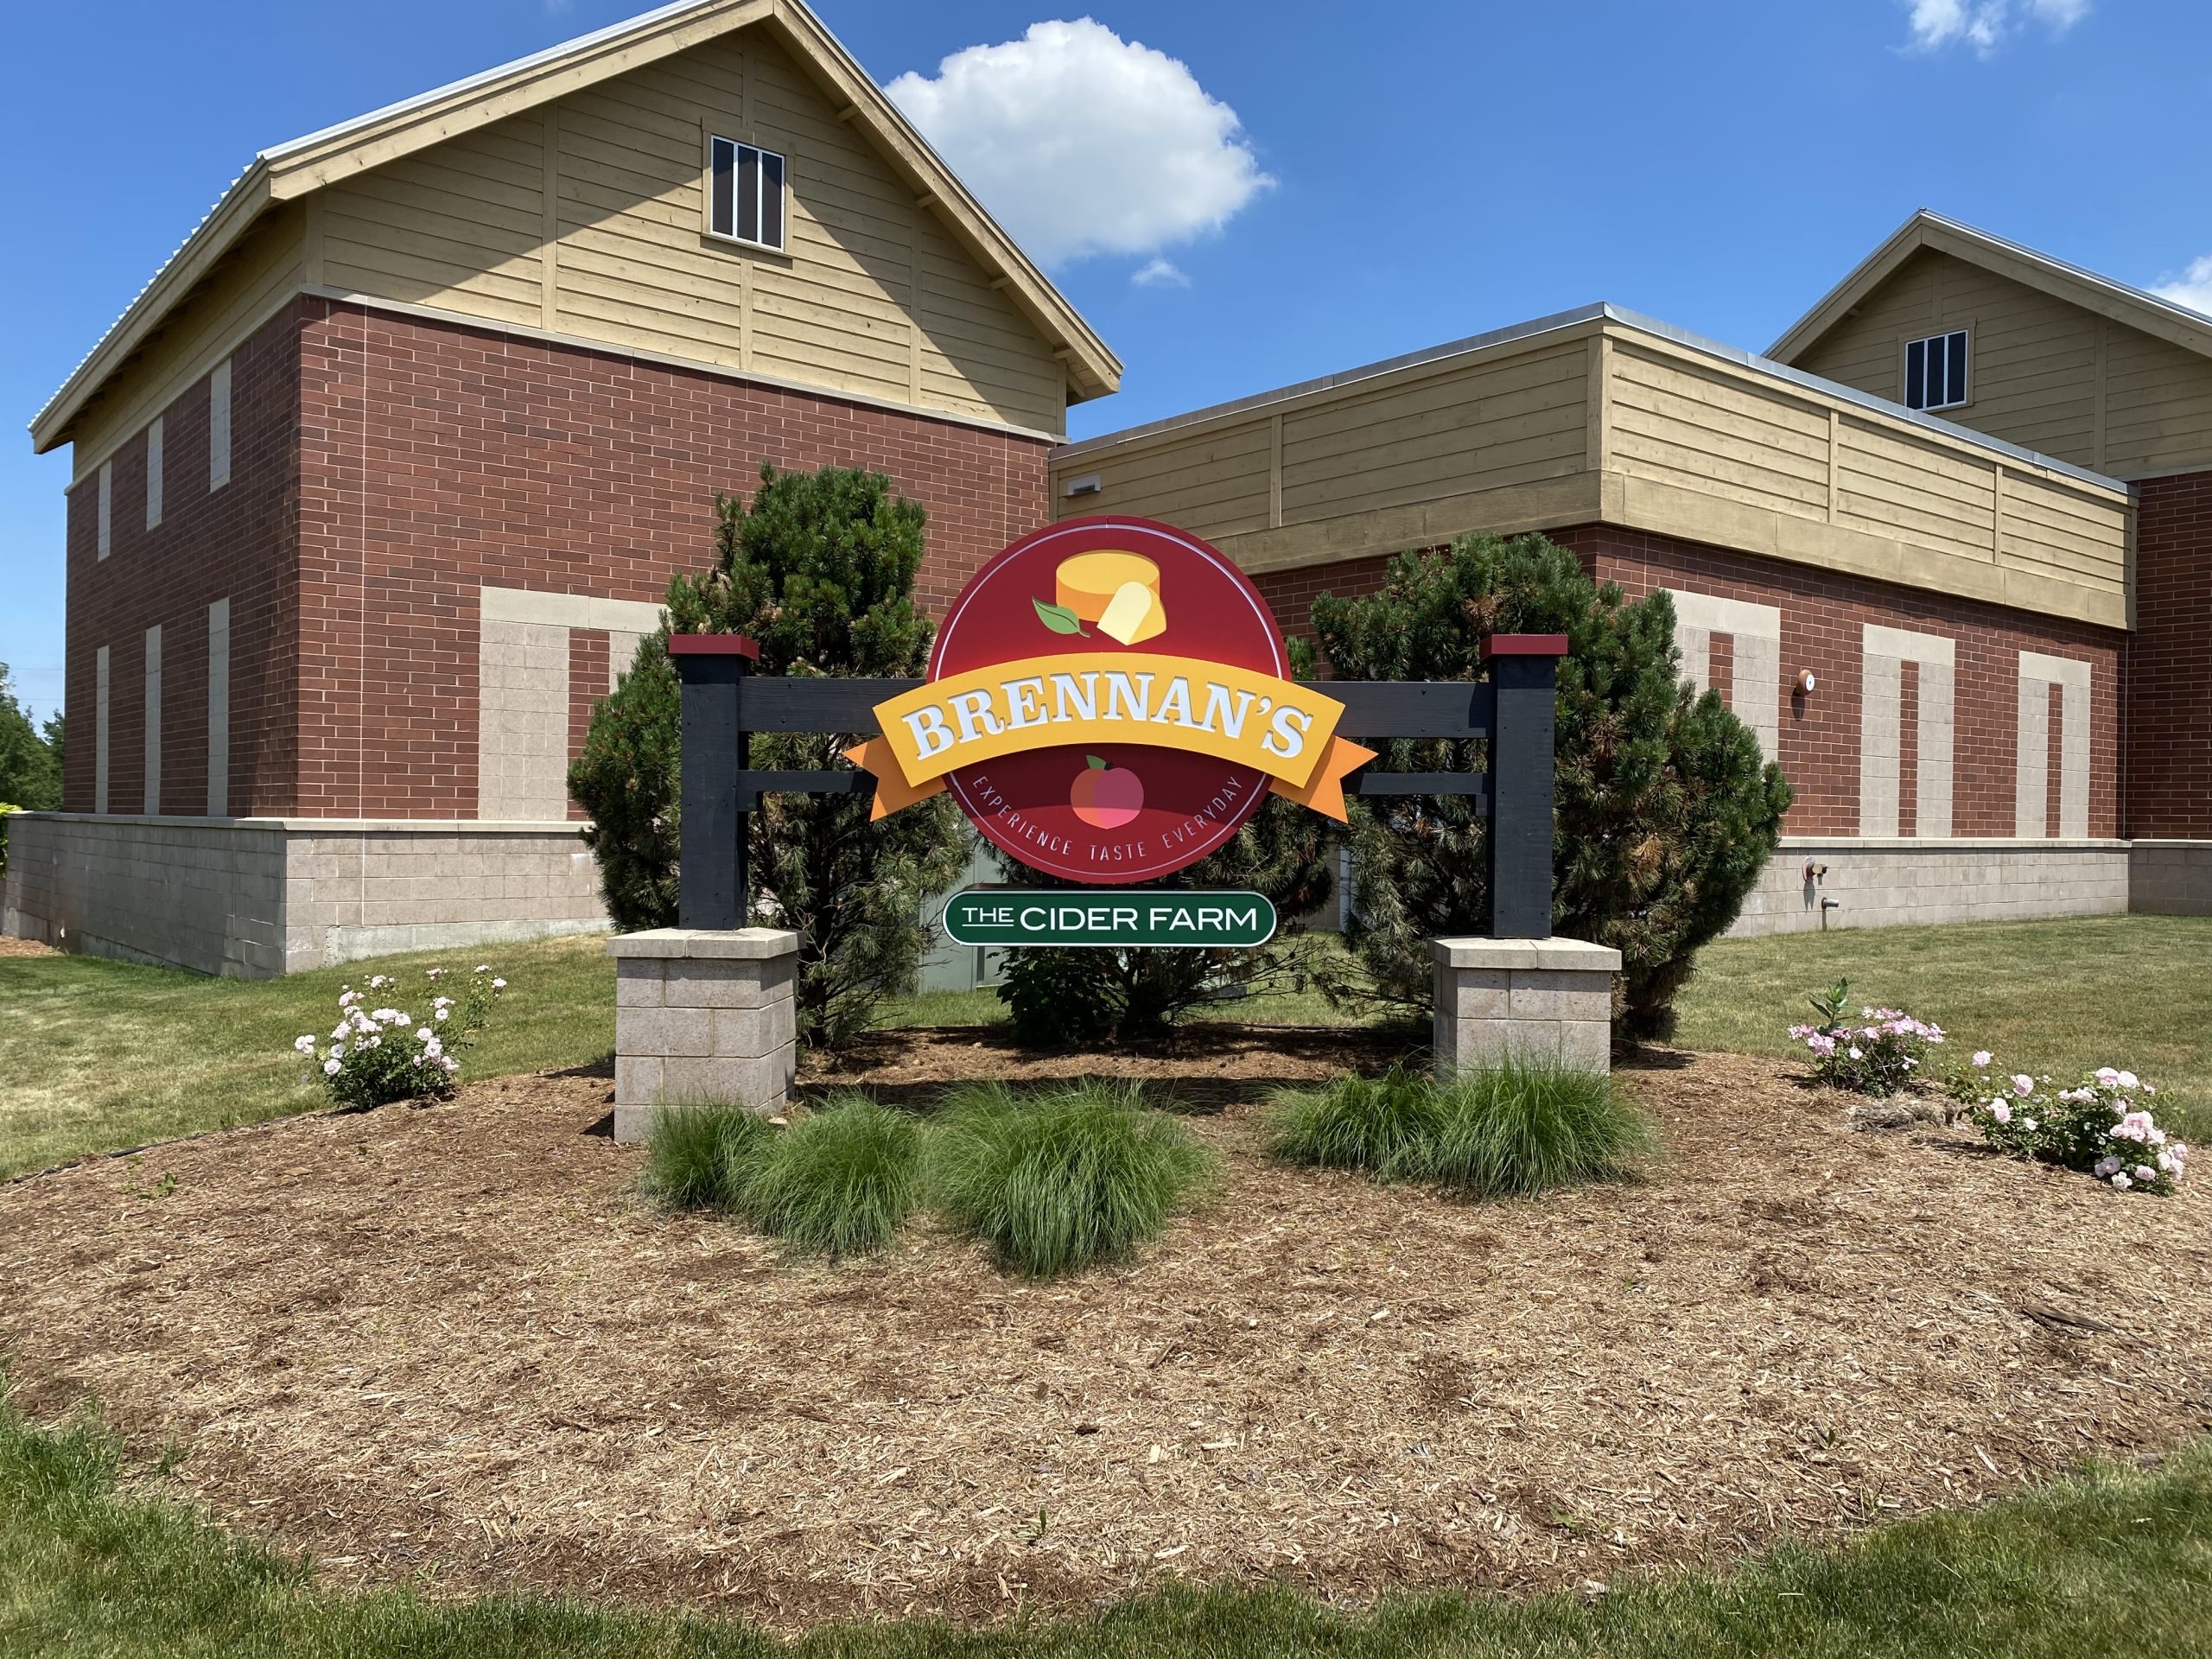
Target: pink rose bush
{"type": "Point", "coordinates": [1876, 1053]}
{"type": "Point", "coordinates": [378, 1055]}
{"type": "Point", "coordinates": [2101, 1126]}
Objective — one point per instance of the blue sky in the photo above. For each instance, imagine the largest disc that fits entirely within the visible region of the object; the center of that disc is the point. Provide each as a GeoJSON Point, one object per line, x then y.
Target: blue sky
{"type": "Point", "coordinates": [1440, 169]}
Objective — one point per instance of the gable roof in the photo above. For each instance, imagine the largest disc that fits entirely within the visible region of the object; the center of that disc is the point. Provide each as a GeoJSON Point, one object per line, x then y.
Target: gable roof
{"type": "Point", "coordinates": [298, 168]}
{"type": "Point", "coordinates": [2134, 306]}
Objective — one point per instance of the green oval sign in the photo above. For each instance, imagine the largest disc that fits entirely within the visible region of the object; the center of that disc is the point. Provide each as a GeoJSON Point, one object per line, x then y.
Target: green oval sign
{"type": "Point", "coordinates": [1073, 917]}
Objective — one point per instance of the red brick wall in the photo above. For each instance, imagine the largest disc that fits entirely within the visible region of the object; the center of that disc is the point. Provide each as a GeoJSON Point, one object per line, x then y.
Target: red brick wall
{"type": "Point", "coordinates": [437, 458]}
{"type": "Point", "coordinates": [2168, 762]}
{"type": "Point", "coordinates": [235, 542]}
{"type": "Point", "coordinates": [1823, 616]}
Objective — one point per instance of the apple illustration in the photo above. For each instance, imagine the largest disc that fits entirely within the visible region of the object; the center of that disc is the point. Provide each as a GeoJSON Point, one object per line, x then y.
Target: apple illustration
{"type": "Point", "coordinates": [1105, 796]}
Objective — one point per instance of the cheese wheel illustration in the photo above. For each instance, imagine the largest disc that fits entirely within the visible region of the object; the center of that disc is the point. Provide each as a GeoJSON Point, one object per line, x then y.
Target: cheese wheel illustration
{"type": "Point", "coordinates": [1133, 614]}
{"type": "Point", "coordinates": [1087, 583]}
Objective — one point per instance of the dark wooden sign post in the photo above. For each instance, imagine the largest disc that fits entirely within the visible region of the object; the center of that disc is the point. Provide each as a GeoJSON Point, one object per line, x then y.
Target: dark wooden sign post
{"type": "Point", "coordinates": [724, 703]}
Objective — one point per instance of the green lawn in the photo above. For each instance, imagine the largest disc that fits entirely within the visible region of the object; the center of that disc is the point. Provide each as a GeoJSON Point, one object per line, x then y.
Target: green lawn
{"type": "Point", "coordinates": [2109, 1563]}
{"type": "Point", "coordinates": [100, 1055]}
{"type": "Point", "coordinates": [2057, 996]}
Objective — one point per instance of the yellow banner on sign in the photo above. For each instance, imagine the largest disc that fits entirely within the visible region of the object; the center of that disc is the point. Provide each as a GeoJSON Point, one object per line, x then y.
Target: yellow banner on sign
{"type": "Point", "coordinates": [1275, 725]}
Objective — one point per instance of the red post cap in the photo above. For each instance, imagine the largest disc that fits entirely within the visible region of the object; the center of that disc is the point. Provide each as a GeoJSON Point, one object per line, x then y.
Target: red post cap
{"type": "Point", "coordinates": [713, 644]}
{"type": "Point", "coordinates": [1524, 645]}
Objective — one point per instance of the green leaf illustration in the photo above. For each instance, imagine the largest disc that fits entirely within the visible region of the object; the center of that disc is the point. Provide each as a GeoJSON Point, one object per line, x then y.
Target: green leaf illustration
{"type": "Point", "coordinates": [1059, 619]}
{"type": "Point", "coordinates": [1096, 765]}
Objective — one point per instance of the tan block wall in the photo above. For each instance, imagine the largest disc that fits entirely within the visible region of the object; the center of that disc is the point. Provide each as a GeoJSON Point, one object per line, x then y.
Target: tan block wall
{"type": "Point", "coordinates": [1900, 883]}
{"type": "Point", "coordinates": [173, 893]}
{"type": "Point", "coordinates": [2170, 878]}
{"type": "Point", "coordinates": [256, 898]}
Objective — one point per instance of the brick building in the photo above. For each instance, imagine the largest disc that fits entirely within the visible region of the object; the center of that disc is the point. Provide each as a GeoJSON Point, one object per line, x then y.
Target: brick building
{"type": "Point", "coordinates": [379, 481]}
{"type": "Point", "coordinates": [1947, 549]}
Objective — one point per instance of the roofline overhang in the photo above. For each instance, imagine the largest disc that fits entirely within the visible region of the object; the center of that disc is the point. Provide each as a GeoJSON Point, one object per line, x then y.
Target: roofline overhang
{"type": "Point", "coordinates": [1590, 318]}
{"type": "Point", "coordinates": [2120, 303]}
{"type": "Point", "coordinates": [308, 163]}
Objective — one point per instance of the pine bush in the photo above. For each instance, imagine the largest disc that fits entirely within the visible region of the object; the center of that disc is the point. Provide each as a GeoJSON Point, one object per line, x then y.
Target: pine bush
{"type": "Point", "coordinates": [820, 570]}
{"type": "Point", "coordinates": [1665, 811]}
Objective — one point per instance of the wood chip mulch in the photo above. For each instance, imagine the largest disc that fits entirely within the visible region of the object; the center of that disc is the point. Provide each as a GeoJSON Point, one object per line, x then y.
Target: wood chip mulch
{"type": "Point", "coordinates": [453, 1340]}
{"type": "Point", "coordinates": [12, 946]}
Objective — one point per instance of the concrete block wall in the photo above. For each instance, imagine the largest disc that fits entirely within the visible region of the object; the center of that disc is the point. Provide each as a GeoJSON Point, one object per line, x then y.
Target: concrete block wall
{"type": "Point", "coordinates": [2170, 878]}
{"type": "Point", "coordinates": [256, 898]}
{"type": "Point", "coordinates": [704, 1015]}
{"type": "Point", "coordinates": [1880, 883]}
{"type": "Point", "coordinates": [369, 892]}
{"type": "Point", "coordinates": [1530, 999]}
{"type": "Point", "coordinates": [177, 893]}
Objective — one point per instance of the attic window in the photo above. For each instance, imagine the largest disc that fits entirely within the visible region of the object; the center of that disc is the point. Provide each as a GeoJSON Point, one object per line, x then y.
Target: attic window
{"type": "Point", "coordinates": [1936, 372]}
{"type": "Point", "coordinates": [748, 194]}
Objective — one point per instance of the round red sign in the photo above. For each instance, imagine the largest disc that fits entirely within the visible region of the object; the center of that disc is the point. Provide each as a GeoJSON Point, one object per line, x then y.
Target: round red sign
{"type": "Point", "coordinates": [1113, 589]}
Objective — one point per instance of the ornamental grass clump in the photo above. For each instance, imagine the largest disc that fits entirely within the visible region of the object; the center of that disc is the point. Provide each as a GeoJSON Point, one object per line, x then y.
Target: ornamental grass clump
{"type": "Point", "coordinates": [1058, 1180]}
{"type": "Point", "coordinates": [1522, 1127]}
{"type": "Point", "coordinates": [1876, 1055]}
{"type": "Point", "coordinates": [697, 1156]}
{"type": "Point", "coordinates": [2101, 1126]}
{"type": "Point", "coordinates": [840, 1181]}
{"type": "Point", "coordinates": [376, 1056]}
{"type": "Point", "coordinates": [1508, 1129]}
{"type": "Point", "coordinates": [1385, 1127]}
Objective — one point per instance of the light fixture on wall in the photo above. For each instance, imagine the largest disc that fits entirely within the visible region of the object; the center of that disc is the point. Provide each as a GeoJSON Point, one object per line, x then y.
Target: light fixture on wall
{"type": "Point", "coordinates": [1804, 682]}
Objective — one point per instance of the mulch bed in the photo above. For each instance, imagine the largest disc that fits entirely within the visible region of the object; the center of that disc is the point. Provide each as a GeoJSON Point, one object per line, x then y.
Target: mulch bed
{"type": "Point", "coordinates": [12, 946]}
{"type": "Point", "coordinates": [453, 1336]}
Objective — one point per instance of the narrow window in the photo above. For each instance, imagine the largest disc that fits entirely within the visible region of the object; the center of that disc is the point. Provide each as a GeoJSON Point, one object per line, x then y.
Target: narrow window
{"type": "Point", "coordinates": [748, 193]}
{"type": "Point", "coordinates": [219, 709]}
{"type": "Point", "coordinates": [151, 805]}
{"type": "Point", "coordinates": [219, 425]}
{"type": "Point", "coordinates": [153, 473]}
{"type": "Point", "coordinates": [1936, 372]}
{"type": "Point", "coordinates": [107, 502]}
{"type": "Point", "coordinates": [101, 665]}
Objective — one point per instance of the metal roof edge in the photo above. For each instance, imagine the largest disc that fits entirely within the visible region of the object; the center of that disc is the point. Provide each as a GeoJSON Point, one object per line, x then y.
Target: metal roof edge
{"type": "Point", "coordinates": [1603, 311]}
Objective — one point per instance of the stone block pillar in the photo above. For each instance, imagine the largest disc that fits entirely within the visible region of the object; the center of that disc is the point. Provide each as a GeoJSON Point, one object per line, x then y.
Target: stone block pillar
{"type": "Point", "coordinates": [703, 1015]}
{"type": "Point", "coordinates": [1536, 999]}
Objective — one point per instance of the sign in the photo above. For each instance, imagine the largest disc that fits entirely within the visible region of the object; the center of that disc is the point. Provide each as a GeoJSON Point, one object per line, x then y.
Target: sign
{"type": "Point", "coordinates": [1064, 917]}
{"type": "Point", "coordinates": [1109, 700]}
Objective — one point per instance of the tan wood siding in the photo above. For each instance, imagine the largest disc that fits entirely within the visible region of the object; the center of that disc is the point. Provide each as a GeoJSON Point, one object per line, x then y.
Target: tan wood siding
{"type": "Point", "coordinates": [236, 297]}
{"type": "Point", "coordinates": [1510, 420]}
{"type": "Point", "coordinates": [1678, 421]}
{"type": "Point", "coordinates": [2038, 371]}
{"type": "Point", "coordinates": [1891, 482]}
{"type": "Point", "coordinates": [1689, 442]}
{"type": "Point", "coordinates": [459, 226]}
{"type": "Point", "coordinates": [977, 354]}
{"type": "Point", "coordinates": [870, 295]}
{"type": "Point", "coordinates": [2157, 405]}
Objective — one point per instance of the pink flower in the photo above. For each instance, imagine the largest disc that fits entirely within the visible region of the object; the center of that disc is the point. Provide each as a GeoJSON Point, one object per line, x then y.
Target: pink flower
{"type": "Point", "coordinates": [2107, 1076]}
{"type": "Point", "coordinates": [2001, 1111]}
{"type": "Point", "coordinates": [330, 1068]}
{"type": "Point", "coordinates": [1982, 1057]}
{"type": "Point", "coordinates": [2129, 1080]}
{"type": "Point", "coordinates": [2023, 1083]}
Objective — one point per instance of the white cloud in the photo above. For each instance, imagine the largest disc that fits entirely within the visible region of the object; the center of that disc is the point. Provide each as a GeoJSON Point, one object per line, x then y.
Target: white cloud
{"type": "Point", "coordinates": [1082, 142]}
{"type": "Point", "coordinates": [1160, 274]}
{"type": "Point", "coordinates": [1983, 24]}
{"type": "Point", "coordinates": [2192, 289]}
